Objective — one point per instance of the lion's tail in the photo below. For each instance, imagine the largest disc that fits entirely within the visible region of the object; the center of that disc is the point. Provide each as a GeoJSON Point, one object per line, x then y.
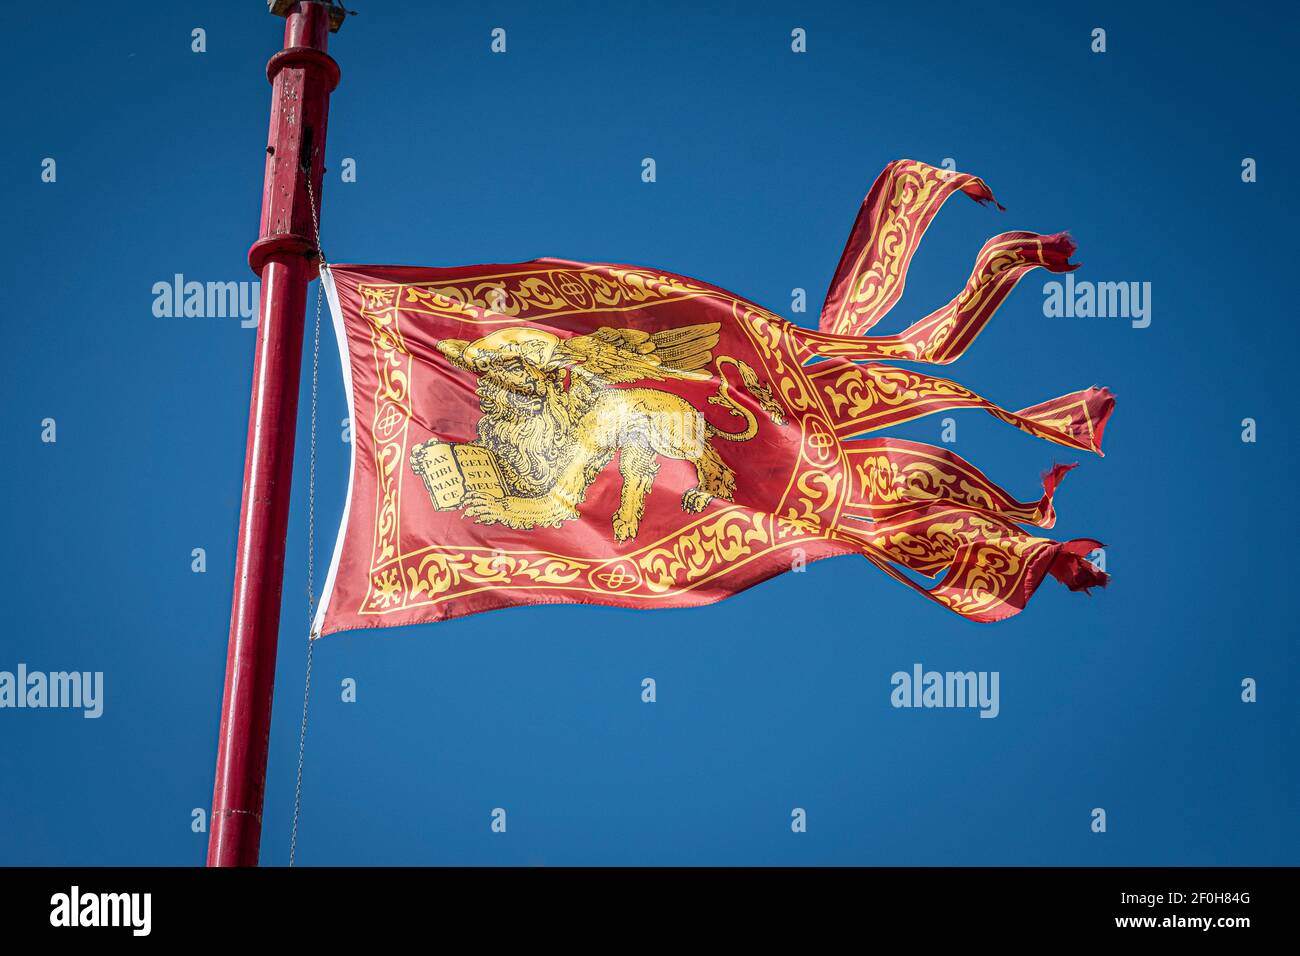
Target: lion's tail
{"type": "Point", "coordinates": [761, 393]}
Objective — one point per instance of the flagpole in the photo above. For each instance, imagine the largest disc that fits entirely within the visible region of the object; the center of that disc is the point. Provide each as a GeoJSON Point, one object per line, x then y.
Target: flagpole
{"type": "Point", "coordinates": [302, 76]}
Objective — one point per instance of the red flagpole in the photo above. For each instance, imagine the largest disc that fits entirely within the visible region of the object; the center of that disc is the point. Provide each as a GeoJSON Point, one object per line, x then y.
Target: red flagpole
{"type": "Point", "coordinates": [302, 76]}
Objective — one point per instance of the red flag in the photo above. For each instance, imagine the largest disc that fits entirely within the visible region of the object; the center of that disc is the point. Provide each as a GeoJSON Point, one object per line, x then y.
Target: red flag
{"type": "Point", "coordinates": [564, 432]}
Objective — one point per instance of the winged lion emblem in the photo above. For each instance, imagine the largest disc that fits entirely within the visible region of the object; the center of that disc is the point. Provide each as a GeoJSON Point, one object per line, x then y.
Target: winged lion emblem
{"type": "Point", "coordinates": [557, 410]}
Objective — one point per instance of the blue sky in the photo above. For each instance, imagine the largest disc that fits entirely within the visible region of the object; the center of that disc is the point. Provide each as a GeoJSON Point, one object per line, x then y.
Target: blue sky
{"type": "Point", "coordinates": [779, 698]}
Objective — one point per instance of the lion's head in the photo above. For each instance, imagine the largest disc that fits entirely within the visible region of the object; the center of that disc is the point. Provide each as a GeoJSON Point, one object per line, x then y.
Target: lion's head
{"type": "Point", "coordinates": [517, 361]}
{"type": "Point", "coordinates": [520, 392]}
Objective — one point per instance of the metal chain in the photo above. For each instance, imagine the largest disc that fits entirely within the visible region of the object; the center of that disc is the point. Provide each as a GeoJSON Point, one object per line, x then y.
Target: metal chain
{"type": "Point", "coordinates": [311, 530]}
{"type": "Point", "coordinates": [315, 223]}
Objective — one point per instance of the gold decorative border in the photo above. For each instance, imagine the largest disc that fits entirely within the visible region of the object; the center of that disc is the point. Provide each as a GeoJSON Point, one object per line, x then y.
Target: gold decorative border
{"type": "Point", "coordinates": [915, 192]}
{"type": "Point", "coordinates": [709, 546]}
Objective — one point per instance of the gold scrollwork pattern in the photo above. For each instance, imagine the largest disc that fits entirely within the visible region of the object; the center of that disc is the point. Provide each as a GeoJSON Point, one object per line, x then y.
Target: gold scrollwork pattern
{"type": "Point", "coordinates": [927, 515]}
{"type": "Point", "coordinates": [706, 549]}
{"type": "Point", "coordinates": [548, 294]}
{"type": "Point", "coordinates": [388, 429]}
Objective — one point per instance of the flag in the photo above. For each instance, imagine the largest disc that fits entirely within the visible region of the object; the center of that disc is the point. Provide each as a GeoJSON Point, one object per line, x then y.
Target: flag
{"type": "Point", "coordinates": [565, 432]}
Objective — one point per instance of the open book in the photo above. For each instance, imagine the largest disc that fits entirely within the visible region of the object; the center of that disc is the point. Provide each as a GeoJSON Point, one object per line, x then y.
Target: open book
{"type": "Point", "coordinates": [452, 471]}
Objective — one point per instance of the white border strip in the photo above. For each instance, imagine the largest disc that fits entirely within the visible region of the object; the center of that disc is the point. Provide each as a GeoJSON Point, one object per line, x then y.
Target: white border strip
{"type": "Point", "coordinates": [340, 335]}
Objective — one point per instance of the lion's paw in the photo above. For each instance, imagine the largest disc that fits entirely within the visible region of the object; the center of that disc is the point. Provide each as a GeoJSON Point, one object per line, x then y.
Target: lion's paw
{"type": "Point", "coordinates": [696, 500]}
{"type": "Point", "coordinates": [625, 529]}
{"type": "Point", "coordinates": [522, 514]}
{"type": "Point", "coordinates": [485, 509]}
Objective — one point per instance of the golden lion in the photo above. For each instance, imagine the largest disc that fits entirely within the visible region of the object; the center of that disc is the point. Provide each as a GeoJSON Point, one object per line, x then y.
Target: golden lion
{"type": "Point", "coordinates": [551, 442]}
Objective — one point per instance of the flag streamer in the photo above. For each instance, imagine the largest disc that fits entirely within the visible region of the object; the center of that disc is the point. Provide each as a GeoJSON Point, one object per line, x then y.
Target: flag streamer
{"type": "Point", "coordinates": [944, 335]}
{"type": "Point", "coordinates": [566, 432]}
{"type": "Point", "coordinates": [898, 210]}
{"type": "Point", "coordinates": [891, 476]}
{"type": "Point", "coordinates": [989, 572]}
{"type": "Point", "coordinates": [865, 398]}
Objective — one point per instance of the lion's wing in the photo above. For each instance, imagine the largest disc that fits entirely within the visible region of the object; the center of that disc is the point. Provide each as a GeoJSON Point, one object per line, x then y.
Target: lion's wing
{"type": "Point", "coordinates": [614, 356]}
